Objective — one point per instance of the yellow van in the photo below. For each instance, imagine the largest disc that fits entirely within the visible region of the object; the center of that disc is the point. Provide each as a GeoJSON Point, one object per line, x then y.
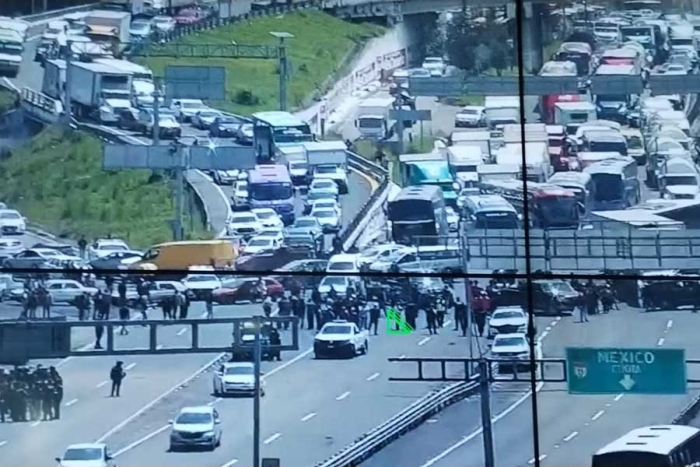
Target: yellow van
{"type": "Point", "coordinates": [184, 255]}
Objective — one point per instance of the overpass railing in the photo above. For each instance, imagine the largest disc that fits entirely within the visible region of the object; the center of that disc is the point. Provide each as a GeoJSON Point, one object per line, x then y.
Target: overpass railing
{"type": "Point", "coordinates": [35, 18]}
{"type": "Point", "coordinates": [41, 106]}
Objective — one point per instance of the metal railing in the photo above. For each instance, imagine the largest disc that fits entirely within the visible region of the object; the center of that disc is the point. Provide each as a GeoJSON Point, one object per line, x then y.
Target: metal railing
{"type": "Point", "coordinates": [40, 105]}
{"type": "Point", "coordinates": [55, 13]}
{"type": "Point", "coordinates": [403, 422]}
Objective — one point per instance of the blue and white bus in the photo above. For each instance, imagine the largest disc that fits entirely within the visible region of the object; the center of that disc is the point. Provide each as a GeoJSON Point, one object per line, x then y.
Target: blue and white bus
{"type": "Point", "coordinates": [270, 186]}
{"type": "Point", "coordinates": [275, 129]}
{"type": "Point", "coordinates": [615, 182]}
{"type": "Point", "coordinates": [652, 446]}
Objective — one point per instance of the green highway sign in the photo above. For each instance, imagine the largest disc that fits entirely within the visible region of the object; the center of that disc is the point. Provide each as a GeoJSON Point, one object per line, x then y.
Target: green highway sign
{"type": "Point", "coordinates": [613, 370]}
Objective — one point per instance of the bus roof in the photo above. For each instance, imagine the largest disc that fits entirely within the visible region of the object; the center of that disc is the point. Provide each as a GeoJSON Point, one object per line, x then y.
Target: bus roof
{"type": "Point", "coordinates": [577, 178]}
{"type": "Point", "coordinates": [616, 70]}
{"type": "Point", "coordinates": [420, 193]}
{"type": "Point", "coordinates": [490, 203]}
{"type": "Point", "coordinates": [278, 118]}
{"type": "Point", "coordinates": [269, 173]}
{"type": "Point", "coordinates": [614, 165]}
{"type": "Point", "coordinates": [658, 439]}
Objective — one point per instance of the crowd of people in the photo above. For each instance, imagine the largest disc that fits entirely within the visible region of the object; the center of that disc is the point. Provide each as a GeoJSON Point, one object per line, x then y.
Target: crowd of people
{"type": "Point", "coordinates": [30, 394]}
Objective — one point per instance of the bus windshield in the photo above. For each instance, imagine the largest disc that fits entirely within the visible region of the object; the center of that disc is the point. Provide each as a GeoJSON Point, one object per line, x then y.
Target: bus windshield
{"type": "Point", "coordinates": [608, 187]}
{"type": "Point", "coordinates": [496, 220]}
{"type": "Point", "coordinates": [630, 459]}
{"type": "Point", "coordinates": [558, 210]}
{"type": "Point", "coordinates": [271, 191]}
{"type": "Point", "coordinates": [414, 211]}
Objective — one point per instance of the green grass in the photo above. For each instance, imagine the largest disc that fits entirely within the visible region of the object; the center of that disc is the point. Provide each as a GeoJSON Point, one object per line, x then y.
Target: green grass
{"type": "Point", "coordinates": [319, 49]}
{"type": "Point", "coordinates": [56, 180]}
{"type": "Point", "coordinates": [7, 100]}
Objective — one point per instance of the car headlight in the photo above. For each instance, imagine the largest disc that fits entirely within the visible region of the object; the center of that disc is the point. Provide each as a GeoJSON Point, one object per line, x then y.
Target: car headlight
{"type": "Point", "coordinates": [209, 434]}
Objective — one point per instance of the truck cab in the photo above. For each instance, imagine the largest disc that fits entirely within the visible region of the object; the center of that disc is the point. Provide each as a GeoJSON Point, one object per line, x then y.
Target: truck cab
{"type": "Point", "coordinates": [373, 120]}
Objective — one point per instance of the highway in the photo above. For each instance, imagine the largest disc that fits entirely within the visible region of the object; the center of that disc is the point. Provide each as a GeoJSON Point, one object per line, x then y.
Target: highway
{"type": "Point", "coordinates": [570, 426]}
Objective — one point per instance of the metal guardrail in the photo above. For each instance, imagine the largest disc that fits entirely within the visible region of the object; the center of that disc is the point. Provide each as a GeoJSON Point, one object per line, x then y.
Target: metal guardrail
{"type": "Point", "coordinates": [374, 440]}
{"type": "Point", "coordinates": [375, 171]}
{"type": "Point", "coordinates": [55, 13]}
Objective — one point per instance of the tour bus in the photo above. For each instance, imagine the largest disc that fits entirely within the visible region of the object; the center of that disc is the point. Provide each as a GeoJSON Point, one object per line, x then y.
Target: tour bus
{"type": "Point", "coordinates": [418, 216]}
{"type": "Point", "coordinates": [652, 446]}
{"type": "Point", "coordinates": [489, 212]}
{"type": "Point", "coordinates": [274, 129]}
{"type": "Point", "coordinates": [616, 183]}
{"type": "Point", "coordinates": [270, 186]}
{"type": "Point", "coordinates": [551, 206]}
{"type": "Point", "coordinates": [604, 141]}
{"type": "Point", "coordinates": [638, 5]}
{"type": "Point", "coordinates": [580, 183]}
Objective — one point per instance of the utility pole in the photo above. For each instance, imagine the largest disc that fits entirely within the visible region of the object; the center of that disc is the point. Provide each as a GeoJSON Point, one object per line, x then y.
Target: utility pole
{"type": "Point", "coordinates": [156, 114]}
{"type": "Point", "coordinates": [489, 456]}
{"type": "Point", "coordinates": [182, 152]}
{"type": "Point", "coordinates": [284, 66]}
{"type": "Point", "coordinates": [256, 400]}
{"type": "Point", "coordinates": [467, 294]}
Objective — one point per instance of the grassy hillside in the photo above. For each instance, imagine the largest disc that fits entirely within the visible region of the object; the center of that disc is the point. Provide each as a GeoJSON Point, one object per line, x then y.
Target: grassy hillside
{"type": "Point", "coordinates": [321, 43]}
{"type": "Point", "coordinates": [57, 181]}
{"type": "Point", "coordinates": [7, 100]}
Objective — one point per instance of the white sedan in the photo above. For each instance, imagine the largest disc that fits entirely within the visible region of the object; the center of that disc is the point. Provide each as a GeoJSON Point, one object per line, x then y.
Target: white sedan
{"type": "Point", "coordinates": [324, 185]}
{"type": "Point", "coordinates": [86, 455]}
{"type": "Point", "coordinates": [201, 285]}
{"type": "Point", "coordinates": [236, 378]}
{"type": "Point", "coordinates": [339, 283]}
{"type": "Point", "coordinates": [204, 118]}
{"type": "Point", "coordinates": [66, 290]}
{"type": "Point", "coordinates": [104, 247]}
{"type": "Point", "coordinates": [272, 232]}
{"type": "Point", "coordinates": [12, 222]}
{"type": "Point", "coordinates": [164, 23]}
{"type": "Point", "coordinates": [329, 218]}
{"type": "Point", "coordinates": [507, 320]}
{"type": "Point", "coordinates": [326, 203]}
{"type": "Point", "coordinates": [259, 244]}
{"type": "Point", "coordinates": [268, 217]}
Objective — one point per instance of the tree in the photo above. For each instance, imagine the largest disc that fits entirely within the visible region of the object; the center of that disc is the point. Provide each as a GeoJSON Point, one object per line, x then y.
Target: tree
{"type": "Point", "coordinates": [499, 57]}
{"type": "Point", "coordinates": [460, 42]}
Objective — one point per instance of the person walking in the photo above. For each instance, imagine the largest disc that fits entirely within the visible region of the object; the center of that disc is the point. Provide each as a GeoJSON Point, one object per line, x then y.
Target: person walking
{"type": "Point", "coordinates": [210, 306]}
{"type": "Point", "coordinates": [117, 375]}
{"type": "Point", "coordinates": [82, 246]}
{"type": "Point", "coordinates": [460, 316]}
{"type": "Point", "coordinates": [124, 318]}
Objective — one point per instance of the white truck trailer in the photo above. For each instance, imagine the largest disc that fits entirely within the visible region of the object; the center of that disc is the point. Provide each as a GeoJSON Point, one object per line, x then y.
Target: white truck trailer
{"type": "Point", "coordinates": [373, 120]}
{"type": "Point", "coordinates": [90, 84]}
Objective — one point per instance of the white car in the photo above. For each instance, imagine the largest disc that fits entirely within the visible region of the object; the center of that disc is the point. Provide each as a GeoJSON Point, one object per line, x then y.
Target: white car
{"type": "Point", "coordinates": [185, 109]}
{"type": "Point", "coordinates": [378, 252]}
{"type": "Point", "coordinates": [105, 246]}
{"type": "Point", "coordinates": [66, 290]}
{"type": "Point", "coordinates": [111, 109]}
{"type": "Point", "coordinates": [236, 378]}
{"type": "Point", "coordinates": [196, 427]}
{"type": "Point", "coordinates": [140, 29]}
{"type": "Point", "coordinates": [259, 244]}
{"type": "Point", "coordinates": [245, 224]}
{"type": "Point", "coordinates": [225, 177]}
{"type": "Point", "coordinates": [204, 118]}
{"type": "Point", "coordinates": [86, 455]}
{"type": "Point", "coordinates": [341, 338]}
{"type": "Point", "coordinates": [201, 285]}
{"type": "Point", "coordinates": [12, 222]}
{"type": "Point", "coordinates": [332, 172]}
{"type": "Point", "coordinates": [324, 185]}
{"type": "Point", "coordinates": [164, 24]}
{"type": "Point", "coordinates": [268, 217]}
{"type": "Point", "coordinates": [328, 218]}
{"type": "Point", "coordinates": [327, 203]}
{"type": "Point", "coordinates": [344, 262]}
{"type": "Point", "coordinates": [339, 283]}
{"type": "Point", "coordinates": [240, 195]}
{"type": "Point", "coordinates": [435, 65]}
{"type": "Point", "coordinates": [452, 219]}
{"type": "Point", "coordinates": [470, 116]}
{"type": "Point", "coordinates": [515, 349]}
{"type": "Point", "coordinates": [507, 320]}
{"type": "Point", "coordinates": [272, 232]}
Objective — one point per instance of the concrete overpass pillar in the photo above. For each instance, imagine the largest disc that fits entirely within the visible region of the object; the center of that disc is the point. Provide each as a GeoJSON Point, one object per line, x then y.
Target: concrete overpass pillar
{"type": "Point", "coordinates": [533, 43]}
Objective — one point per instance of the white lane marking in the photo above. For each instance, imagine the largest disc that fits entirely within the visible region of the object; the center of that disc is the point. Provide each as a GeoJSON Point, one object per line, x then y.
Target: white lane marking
{"type": "Point", "coordinates": [182, 331]}
{"type": "Point", "coordinates": [308, 417]}
{"type": "Point", "coordinates": [447, 323]}
{"type": "Point", "coordinates": [401, 357]}
{"type": "Point", "coordinates": [272, 438]}
{"type": "Point", "coordinates": [477, 432]}
{"type": "Point", "coordinates": [37, 423]}
{"type": "Point", "coordinates": [72, 402]}
{"type": "Point", "coordinates": [142, 440]}
{"type": "Point", "coordinates": [187, 380]}
{"type": "Point", "coordinates": [165, 394]}
{"type": "Point", "coordinates": [343, 396]}
{"type": "Point", "coordinates": [230, 463]}
{"type": "Point", "coordinates": [431, 420]}
{"type": "Point", "coordinates": [542, 336]}
{"type": "Point", "coordinates": [619, 396]}
{"type": "Point", "coordinates": [424, 341]}
{"type": "Point", "coordinates": [2, 443]}
{"type": "Point", "coordinates": [669, 325]}
{"type": "Point", "coordinates": [597, 415]}
{"type": "Point", "coordinates": [553, 323]}
{"type": "Point", "coordinates": [661, 341]}
{"type": "Point", "coordinates": [548, 328]}
{"type": "Point", "coordinates": [130, 366]}
{"type": "Point", "coordinates": [103, 383]}
{"type": "Point", "coordinates": [372, 377]}
{"type": "Point", "coordinates": [571, 436]}
{"type": "Point", "coordinates": [214, 402]}
{"type": "Point", "coordinates": [160, 346]}
{"type": "Point", "coordinates": [80, 349]}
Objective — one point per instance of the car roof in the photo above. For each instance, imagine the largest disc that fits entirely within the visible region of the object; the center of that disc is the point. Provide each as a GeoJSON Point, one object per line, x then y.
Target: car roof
{"type": "Point", "coordinates": [512, 335]}
{"type": "Point", "coordinates": [509, 308]}
{"type": "Point", "coordinates": [87, 446]}
{"type": "Point", "coordinates": [343, 257]}
{"type": "Point", "coordinates": [197, 409]}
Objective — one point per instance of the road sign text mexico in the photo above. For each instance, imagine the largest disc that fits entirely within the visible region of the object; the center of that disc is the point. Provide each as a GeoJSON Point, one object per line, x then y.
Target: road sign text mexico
{"type": "Point", "coordinates": [613, 370]}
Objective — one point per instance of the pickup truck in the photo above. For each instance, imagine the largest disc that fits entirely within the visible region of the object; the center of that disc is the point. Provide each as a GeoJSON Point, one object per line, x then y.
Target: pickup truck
{"type": "Point", "coordinates": [340, 337]}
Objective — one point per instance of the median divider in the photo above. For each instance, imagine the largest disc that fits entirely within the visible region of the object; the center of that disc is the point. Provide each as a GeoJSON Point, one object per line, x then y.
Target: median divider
{"type": "Point", "coordinates": [375, 440]}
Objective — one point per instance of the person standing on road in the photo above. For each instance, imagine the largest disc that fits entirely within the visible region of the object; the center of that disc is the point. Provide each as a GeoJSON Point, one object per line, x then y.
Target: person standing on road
{"type": "Point", "coordinates": [117, 375]}
{"type": "Point", "coordinates": [82, 246]}
{"type": "Point", "coordinates": [46, 301]}
{"type": "Point", "coordinates": [460, 316]}
{"type": "Point", "coordinates": [210, 306]}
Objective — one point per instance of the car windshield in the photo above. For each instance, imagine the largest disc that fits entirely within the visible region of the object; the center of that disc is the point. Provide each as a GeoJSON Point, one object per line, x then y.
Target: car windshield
{"type": "Point", "coordinates": [325, 169]}
{"type": "Point", "coordinates": [305, 223]}
{"type": "Point", "coordinates": [336, 329]}
{"type": "Point", "coordinates": [240, 370]}
{"type": "Point", "coordinates": [83, 454]}
{"type": "Point", "coordinates": [342, 266]}
{"type": "Point", "coordinates": [139, 25]}
{"type": "Point", "coordinates": [508, 315]}
{"type": "Point", "coordinates": [227, 121]}
{"type": "Point", "coordinates": [161, 19]}
{"type": "Point", "coordinates": [323, 184]}
{"type": "Point", "coordinates": [200, 278]}
{"type": "Point", "coordinates": [334, 281]}
{"type": "Point", "coordinates": [9, 215]}
{"type": "Point", "coordinates": [260, 242]}
{"type": "Point", "coordinates": [325, 214]}
{"type": "Point", "coordinates": [192, 418]}
{"type": "Point", "coordinates": [468, 112]}
{"type": "Point", "coordinates": [265, 214]}
{"type": "Point", "coordinates": [112, 247]}
{"type": "Point", "coordinates": [244, 219]}
{"type": "Point", "coordinates": [510, 342]}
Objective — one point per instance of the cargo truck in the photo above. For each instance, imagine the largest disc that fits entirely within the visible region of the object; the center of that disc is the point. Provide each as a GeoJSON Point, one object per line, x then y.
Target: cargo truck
{"type": "Point", "coordinates": [90, 84]}
{"type": "Point", "coordinates": [110, 27]}
{"type": "Point", "coordinates": [11, 48]}
{"type": "Point", "coordinates": [373, 120]}
{"type": "Point", "coordinates": [135, 7]}
{"type": "Point", "coordinates": [429, 169]}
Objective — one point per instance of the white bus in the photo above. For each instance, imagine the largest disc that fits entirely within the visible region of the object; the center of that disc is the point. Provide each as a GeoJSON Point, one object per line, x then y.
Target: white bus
{"type": "Point", "coordinates": [652, 446]}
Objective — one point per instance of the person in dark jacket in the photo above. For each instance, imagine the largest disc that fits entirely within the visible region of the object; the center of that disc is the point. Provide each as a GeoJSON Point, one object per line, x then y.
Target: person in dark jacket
{"type": "Point", "coordinates": [117, 375]}
{"type": "Point", "coordinates": [285, 309]}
